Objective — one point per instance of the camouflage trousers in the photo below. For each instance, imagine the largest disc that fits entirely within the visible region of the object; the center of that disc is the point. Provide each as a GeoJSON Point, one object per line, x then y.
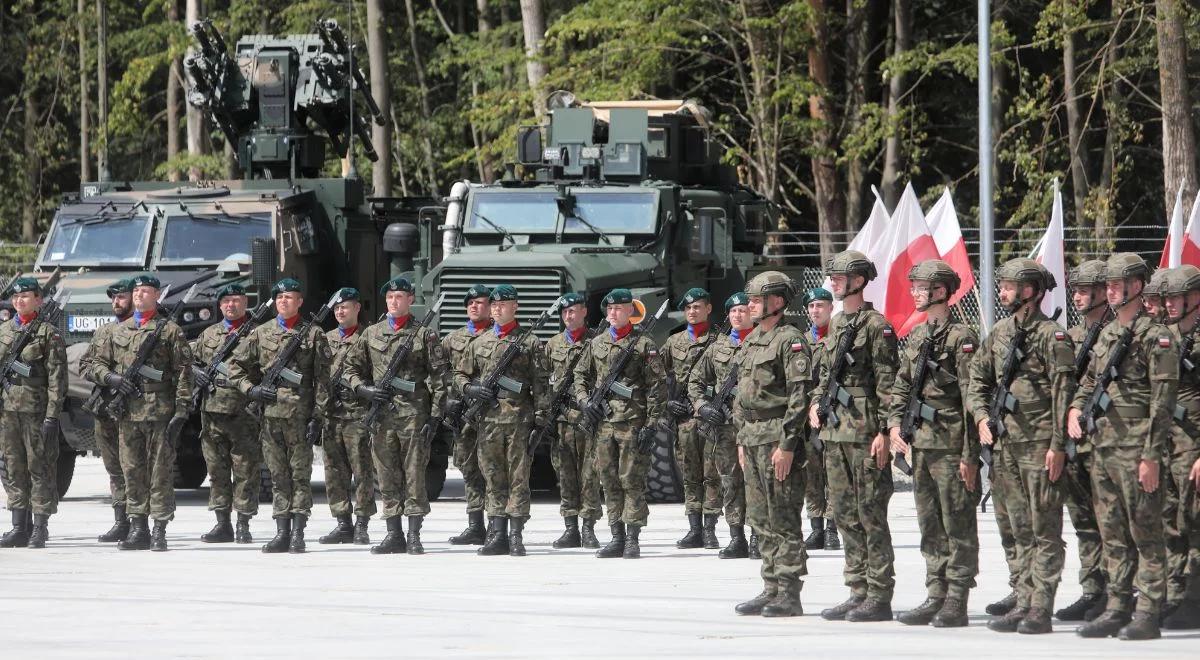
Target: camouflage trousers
{"type": "Point", "coordinates": [148, 462]}
{"type": "Point", "coordinates": [233, 453]}
{"type": "Point", "coordinates": [466, 459]}
{"type": "Point", "coordinates": [348, 465]}
{"type": "Point", "coordinates": [724, 480]}
{"type": "Point", "coordinates": [1181, 525]}
{"type": "Point", "coordinates": [860, 492]}
{"type": "Point", "coordinates": [623, 470]}
{"type": "Point", "coordinates": [1131, 528]}
{"type": "Point", "coordinates": [32, 463]}
{"type": "Point", "coordinates": [1003, 524]}
{"type": "Point", "coordinates": [108, 442]}
{"type": "Point", "coordinates": [401, 457]}
{"type": "Point", "coordinates": [1034, 507]}
{"type": "Point", "coordinates": [815, 501]}
{"type": "Point", "coordinates": [689, 453]}
{"type": "Point", "coordinates": [289, 459]}
{"type": "Point", "coordinates": [504, 461]}
{"type": "Point", "coordinates": [946, 518]}
{"type": "Point", "coordinates": [1083, 519]}
{"type": "Point", "coordinates": [773, 509]}
{"type": "Point", "coordinates": [574, 459]}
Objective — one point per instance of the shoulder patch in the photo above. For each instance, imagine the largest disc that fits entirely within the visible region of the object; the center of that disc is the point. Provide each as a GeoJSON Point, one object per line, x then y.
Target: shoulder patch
{"type": "Point", "coordinates": [968, 347]}
{"type": "Point", "coordinates": [1060, 335]}
{"type": "Point", "coordinates": [1164, 342]}
{"type": "Point", "coordinates": [653, 352]}
{"type": "Point", "coordinates": [887, 331]}
{"type": "Point", "coordinates": [797, 346]}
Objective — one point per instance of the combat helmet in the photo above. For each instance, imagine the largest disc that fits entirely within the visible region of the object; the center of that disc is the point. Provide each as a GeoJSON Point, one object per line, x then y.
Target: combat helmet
{"type": "Point", "coordinates": [936, 270]}
{"type": "Point", "coordinates": [848, 263]}
{"type": "Point", "coordinates": [1123, 266]}
{"type": "Point", "coordinates": [1180, 281]}
{"type": "Point", "coordinates": [1088, 273]}
{"type": "Point", "coordinates": [1025, 270]}
{"type": "Point", "coordinates": [1158, 282]}
{"type": "Point", "coordinates": [772, 282]}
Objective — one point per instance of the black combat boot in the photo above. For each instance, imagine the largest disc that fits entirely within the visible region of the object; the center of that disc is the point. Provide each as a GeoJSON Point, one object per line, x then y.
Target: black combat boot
{"type": "Point", "coordinates": [241, 533]}
{"type": "Point", "coordinates": [1009, 622]}
{"type": "Point", "coordinates": [695, 535]}
{"type": "Point", "coordinates": [1002, 606]}
{"type": "Point", "coordinates": [222, 532]}
{"type": "Point", "coordinates": [1108, 624]}
{"type": "Point", "coordinates": [393, 543]}
{"type": "Point", "coordinates": [41, 531]}
{"type": "Point", "coordinates": [1076, 611]}
{"type": "Point", "coordinates": [922, 614]}
{"type": "Point", "coordinates": [474, 533]}
{"type": "Point", "coordinates": [952, 615]}
{"type": "Point", "coordinates": [283, 536]}
{"type": "Point", "coordinates": [615, 547]}
{"type": "Point", "coordinates": [1097, 609]}
{"type": "Point", "coordinates": [498, 543]}
{"type": "Point", "coordinates": [816, 538]}
{"type": "Point", "coordinates": [1185, 617]}
{"type": "Point", "coordinates": [296, 547]}
{"type": "Point", "coordinates": [158, 539]}
{"type": "Point", "coordinates": [570, 538]}
{"type": "Point", "coordinates": [755, 605]}
{"type": "Point", "coordinates": [709, 535]}
{"type": "Point", "coordinates": [1143, 626]}
{"type": "Point", "coordinates": [18, 536]}
{"type": "Point", "coordinates": [753, 552]}
{"type": "Point", "coordinates": [139, 534]}
{"type": "Point", "coordinates": [516, 543]}
{"type": "Point", "coordinates": [343, 532]}
{"type": "Point", "coordinates": [832, 542]}
{"type": "Point", "coordinates": [786, 601]}
{"type": "Point", "coordinates": [120, 528]}
{"type": "Point", "coordinates": [1036, 622]}
{"type": "Point", "coordinates": [361, 537]}
{"type": "Point", "coordinates": [738, 548]}
{"type": "Point", "coordinates": [872, 609]}
{"type": "Point", "coordinates": [588, 535]}
{"type": "Point", "coordinates": [633, 549]}
{"type": "Point", "coordinates": [838, 612]}
{"type": "Point", "coordinates": [414, 535]}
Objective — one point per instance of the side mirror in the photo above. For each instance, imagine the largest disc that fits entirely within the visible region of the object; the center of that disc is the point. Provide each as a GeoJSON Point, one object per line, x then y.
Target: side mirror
{"type": "Point", "coordinates": [529, 145]}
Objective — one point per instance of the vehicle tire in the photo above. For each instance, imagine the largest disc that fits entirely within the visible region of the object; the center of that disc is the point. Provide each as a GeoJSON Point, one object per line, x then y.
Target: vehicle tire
{"type": "Point", "coordinates": [264, 485]}
{"type": "Point", "coordinates": [664, 484]}
{"type": "Point", "coordinates": [190, 472]}
{"type": "Point", "coordinates": [65, 471]}
{"type": "Point", "coordinates": [435, 476]}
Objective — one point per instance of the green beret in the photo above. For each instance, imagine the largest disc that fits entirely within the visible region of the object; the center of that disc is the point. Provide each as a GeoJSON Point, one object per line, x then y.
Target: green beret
{"type": "Point", "coordinates": [739, 298]}
{"type": "Point", "coordinates": [120, 286]}
{"type": "Point", "coordinates": [348, 293]}
{"type": "Point", "coordinates": [231, 290]}
{"type": "Point", "coordinates": [145, 279]}
{"type": "Point", "coordinates": [476, 291]}
{"type": "Point", "coordinates": [570, 299]}
{"type": "Point", "coordinates": [504, 292]}
{"type": "Point", "coordinates": [618, 297]}
{"type": "Point", "coordinates": [816, 293]}
{"type": "Point", "coordinates": [24, 284]}
{"type": "Point", "coordinates": [286, 285]}
{"type": "Point", "coordinates": [693, 294]}
{"type": "Point", "coordinates": [396, 284]}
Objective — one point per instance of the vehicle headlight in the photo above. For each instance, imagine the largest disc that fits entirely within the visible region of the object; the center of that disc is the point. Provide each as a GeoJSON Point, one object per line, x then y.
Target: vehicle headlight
{"type": "Point", "coordinates": [189, 316]}
{"type": "Point", "coordinates": [5, 314]}
{"type": "Point", "coordinates": [205, 314]}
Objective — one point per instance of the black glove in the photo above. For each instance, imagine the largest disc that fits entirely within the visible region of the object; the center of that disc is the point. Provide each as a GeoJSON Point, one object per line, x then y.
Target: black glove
{"type": "Point", "coordinates": [200, 379]}
{"type": "Point", "coordinates": [371, 393]}
{"type": "Point", "coordinates": [481, 393]}
{"type": "Point", "coordinates": [679, 409]}
{"type": "Point", "coordinates": [432, 428]}
{"type": "Point", "coordinates": [50, 429]}
{"type": "Point", "coordinates": [646, 437]}
{"type": "Point", "coordinates": [262, 394]}
{"type": "Point", "coordinates": [312, 432]}
{"type": "Point", "coordinates": [712, 414]}
{"type": "Point", "coordinates": [174, 428]}
{"type": "Point", "coordinates": [594, 413]}
{"type": "Point", "coordinates": [118, 383]}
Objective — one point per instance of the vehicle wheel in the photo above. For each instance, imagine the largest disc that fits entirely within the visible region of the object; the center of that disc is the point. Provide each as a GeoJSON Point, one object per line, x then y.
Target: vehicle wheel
{"type": "Point", "coordinates": [264, 485]}
{"type": "Point", "coordinates": [435, 476]}
{"type": "Point", "coordinates": [190, 472]}
{"type": "Point", "coordinates": [664, 484]}
{"type": "Point", "coordinates": [65, 471]}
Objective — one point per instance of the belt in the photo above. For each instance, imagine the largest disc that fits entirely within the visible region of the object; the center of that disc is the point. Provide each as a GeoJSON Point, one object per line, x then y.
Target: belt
{"type": "Point", "coordinates": [856, 391]}
{"type": "Point", "coordinates": [1032, 406]}
{"type": "Point", "coordinates": [756, 415]}
{"type": "Point", "coordinates": [1131, 411]}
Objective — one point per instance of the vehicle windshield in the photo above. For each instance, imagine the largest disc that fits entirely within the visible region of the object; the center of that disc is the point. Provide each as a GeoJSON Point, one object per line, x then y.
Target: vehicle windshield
{"type": "Point", "coordinates": [212, 237]}
{"type": "Point", "coordinates": [614, 213]}
{"type": "Point", "coordinates": [98, 240]}
{"type": "Point", "coordinates": [527, 212]}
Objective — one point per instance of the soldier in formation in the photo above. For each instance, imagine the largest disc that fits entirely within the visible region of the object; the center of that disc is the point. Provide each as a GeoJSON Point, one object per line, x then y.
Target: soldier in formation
{"type": "Point", "coordinates": [818, 302]}
{"type": "Point", "coordinates": [477, 301]}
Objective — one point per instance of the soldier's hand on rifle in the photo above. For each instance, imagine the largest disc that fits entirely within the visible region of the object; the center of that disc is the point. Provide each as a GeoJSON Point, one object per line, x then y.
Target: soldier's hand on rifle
{"type": "Point", "coordinates": [174, 428]}
{"type": "Point", "coordinates": [1195, 474]}
{"type": "Point", "coordinates": [985, 432]}
{"type": "Point", "coordinates": [899, 446]}
{"type": "Point", "coordinates": [679, 409]}
{"type": "Point", "coordinates": [312, 432]}
{"type": "Point", "coordinates": [50, 429]}
{"type": "Point", "coordinates": [814, 420]}
{"type": "Point", "coordinates": [200, 379]}
{"type": "Point", "coordinates": [371, 393]}
{"type": "Point", "coordinates": [968, 471]}
{"type": "Point", "coordinates": [593, 412]}
{"type": "Point", "coordinates": [645, 438]}
{"type": "Point", "coordinates": [118, 383]}
{"type": "Point", "coordinates": [480, 392]}
{"type": "Point", "coordinates": [1074, 429]}
{"type": "Point", "coordinates": [1148, 475]}
{"type": "Point", "coordinates": [1054, 463]}
{"type": "Point", "coordinates": [262, 394]}
{"type": "Point", "coordinates": [712, 414]}
{"type": "Point", "coordinates": [742, 458]}
{"type": "Point", "coordinates": [781, 460]}
{"type": "Point", "coordinates": [879, 449]}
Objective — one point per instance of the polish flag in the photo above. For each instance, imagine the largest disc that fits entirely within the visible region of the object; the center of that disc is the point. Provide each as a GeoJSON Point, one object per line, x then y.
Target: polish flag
{"type": "Point", "coordinates": [1174, 246]}
{"type": "Point", "coordinates": [1051, 254]}
{"type": "Point", "coordinates": [1190, 254]}
{"type": "Point", "coordinates": [907, 244]}
{"type": "Point", "coordinates": [951, 247]}
{"type": "Point", "coordinates": [868, 241]}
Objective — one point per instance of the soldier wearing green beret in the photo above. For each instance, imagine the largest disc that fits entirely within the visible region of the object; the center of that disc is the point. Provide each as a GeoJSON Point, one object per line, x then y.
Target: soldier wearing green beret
{"type": "Point", "coordinates": [104, 427]}
{"type": "Point", "coordinates": [29, 430]}
{"type": "Point", "coordinates": [229, 435]}
{"type": "Point", "coordinates": [818, 302]}
{"type": "Point", "coordinates": [478, 304]}
{"type": "Point", "coordinates": [155, 411]}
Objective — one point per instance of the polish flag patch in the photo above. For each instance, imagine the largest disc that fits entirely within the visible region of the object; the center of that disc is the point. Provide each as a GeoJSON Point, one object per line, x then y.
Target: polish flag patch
{"type": "Point", "coordinates": [797, 347]}
{"type": "Point", "coordinates": [887, 331]}
{"type": "Point", "coordinates": [1164, 342]}
{"type": "Point", "coordinates": [968, 348]}
{"type": "Point", "coordinates": [1060, 335]}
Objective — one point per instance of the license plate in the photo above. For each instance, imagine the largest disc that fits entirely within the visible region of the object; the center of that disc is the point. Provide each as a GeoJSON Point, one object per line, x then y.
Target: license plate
{"type": "Point", "coordinates": [87, 323]}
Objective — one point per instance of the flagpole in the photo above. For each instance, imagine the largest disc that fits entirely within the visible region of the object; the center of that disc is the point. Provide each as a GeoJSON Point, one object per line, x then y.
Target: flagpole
{"type": "Point", "coordinates": [987, 286]}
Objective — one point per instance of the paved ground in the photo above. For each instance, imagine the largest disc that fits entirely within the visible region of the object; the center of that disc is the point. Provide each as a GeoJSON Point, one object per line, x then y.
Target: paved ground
{"type": "Point", "coordinates": [79, 599]}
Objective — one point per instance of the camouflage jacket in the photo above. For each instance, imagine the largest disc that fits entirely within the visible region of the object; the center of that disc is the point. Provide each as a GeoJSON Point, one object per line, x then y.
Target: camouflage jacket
{"type": "Point", "coordinates": [1187, 432]}
{"type": "Point", "coordinates": [559, 353]}
{"type": "Point", "coordinates": [45, 389]}
{"type": "Point", "coordinates": [528, 368]}
{"type": "Point", "coordinates": [679, 353]}
{"type": "Point", "coordinates": [342, 403]}
{"type": "Point", "coordinates": [1043, 385]}
{"type": "Point", "coordinates": [1078, 333]}
{"type": "Point", "coordinates": [945, 388]}
{"type": "Point", "coordinates": [426, 367]}
{"type": "Point", "coordinates": [455, 346]}
{"type": "Point", "coordinates": [643, 375]}
{"type": "Point", "coordinates": [101, 337]}
{"type": "Point", "coordinates": [172, 356]}
{"type": "Point", "coordinates": [256, 354]}
{"type": "Point", "coordinates": [712, 370]}
{"type": "Point", "coordinates": [868, 379]}
{"type": "Point", "coordinates": [1143, 395]}
{"type": "Point", "coordinates": [226, 399]}
{"type": "Point", "coordinates": [774, 381]}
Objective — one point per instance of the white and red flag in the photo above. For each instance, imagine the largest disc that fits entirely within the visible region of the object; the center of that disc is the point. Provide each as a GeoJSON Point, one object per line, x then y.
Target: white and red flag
{"type": "Point", "coordinates": [907, 244]}
{"type": "Point", "coordinates": [1051, 253]}
{"type": "Point", "coordinates": [951, 247]}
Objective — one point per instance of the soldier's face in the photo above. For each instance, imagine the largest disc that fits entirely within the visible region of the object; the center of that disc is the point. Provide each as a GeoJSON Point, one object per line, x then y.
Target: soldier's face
{"type": "Point", "coordinates": [740, 318]}
{"type": "Point", "coordinates": [478, 309]}
{"type": "Point", "coordinates": [1152, 305]}
{"type": "Point", "coordinates": [122, 304]}
{"type": "Point", "coordinates": [697, 312]}
{"type": "Point", "coordinates": [618, 315]}
{"type": "Point", "coordinates": [398, 303]}
{"type": "Point", "coordinates": [145, 298]}
{"type": "Point", "coordinates": [1175, 304]}
{"type": "Point", "coordinates": [233, 307]}
{"type": "Point", "coordinates": [504, 311]}
{"type": "Point", "coordinates": [1009, 291]}
{"type": "Point", "coordinates": [574, 317]}
{"type": "Point", "coordinates": [839, 284]}
{"type": "Point", "coordinates": [346, 313]}
{"type": "Point", "coordinates": [288, 304]}
{"type": "Point", "coordinates": [26, 302]}
{"type": "Point", "coordinates": [820, 311]}
{"type": "Point", "coordinates": [1082, 297]}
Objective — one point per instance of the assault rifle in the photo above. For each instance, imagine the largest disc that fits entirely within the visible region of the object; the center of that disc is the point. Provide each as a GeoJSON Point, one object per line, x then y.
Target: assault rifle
{"type": "Point", "coordinates": [560, 398]}
{"type": "Point", "coordinates": [1186, 366]}
{"type": "Point", "coordinates": [12, 367]}
{"type": "Point", "coordinates": [1098, 401]}
{"type": "Point", "coordinates": [1003, 402]}
{"type": "Point", "coordinates": [278, 372]}
{"type": "Point", "coordinates": [673, 393]}
{"type": "Point", "coordinates": [835, 394]}
{"type": "Point", "coordinates": [390, 383]}
{"type": "Point", "coordinates": [610, 383]}
{"type": "Point", "coordinates": [495, 379]}
{"type": "Point", "coordinates": [723, 401]}
{"type": "Point", "coordinates": [216, 366]}
{"type": "Point", "coordinates": [916, 411]}
{"type": "Point", "coordinates": [1084, 356]}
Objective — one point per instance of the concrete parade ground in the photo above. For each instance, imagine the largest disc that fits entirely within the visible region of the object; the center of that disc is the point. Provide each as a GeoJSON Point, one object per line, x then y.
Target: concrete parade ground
{"type": "Point", "coordinates": [81, 599]}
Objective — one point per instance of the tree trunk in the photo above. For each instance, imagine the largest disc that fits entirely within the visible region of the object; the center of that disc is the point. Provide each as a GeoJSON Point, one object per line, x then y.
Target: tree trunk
{"type": "Point", "coordinates": [1179, 140]}
{"type": "Point", "coordinates": [477, 135]}
{"type": "Point", "coordinates": [381, 136]}
{"type": "Point", "coordinates": [861, 25]}
{"type": "Point", "coordinates": [423, 89]}
{"type": "Point", "coordinates": [831, 220]}
{"type": "Point", "coordinates": [533, 24]}
{"type": "Point", "coordinates": [174, 87]}
{"type": "Point", "coordinates": [85, 129]}
{"type": "Point", "coordinates": [32, 164]}
{"type": "Point", "coordinates": [1078, 155]}
{"type": "Point", "coordinates": [197, 123]}
{"type": "Point", "coordinates": [891, 158]}
{"type": "Point", "coordinates": [102, 88]}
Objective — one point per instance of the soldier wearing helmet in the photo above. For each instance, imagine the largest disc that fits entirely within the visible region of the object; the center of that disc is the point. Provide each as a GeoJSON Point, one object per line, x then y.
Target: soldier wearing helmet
{"type": "Point", "coordinates": [857, 456]}
{"type": "Point", "coordinates": [943, 449]}
{"type": "Point", "coordinates": [772, 391]}
{"type": "Point", "coordinates": [818, 302]}
{"type": "Point", "coordinates": [1027, 438]}
{"type": "Point", "coordinates": [1152, 295]}
{"type": "Point", "coordinates": [1129, 437]}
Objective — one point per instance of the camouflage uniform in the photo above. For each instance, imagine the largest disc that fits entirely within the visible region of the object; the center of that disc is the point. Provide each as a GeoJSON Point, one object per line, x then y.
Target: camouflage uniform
{"type": "Point", "coordinates": [678, 353]}
{"type": "Point", "coordinates": [574, 452]}
{"type": "Point", "coordinates": [347, 445]}
{"type": "Point", "coordinates": [1079, 505]}
{"type": "Point", "coordinates": [466, 457]}
{"type": "Point", "coordinates": [104, 427]}
{"type": "Point", "coordinates": [710, 372]}
{"type": "Point", "coordinates": [1181, 513]}
{"type": "Point", "coordinates": [816, 503]}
